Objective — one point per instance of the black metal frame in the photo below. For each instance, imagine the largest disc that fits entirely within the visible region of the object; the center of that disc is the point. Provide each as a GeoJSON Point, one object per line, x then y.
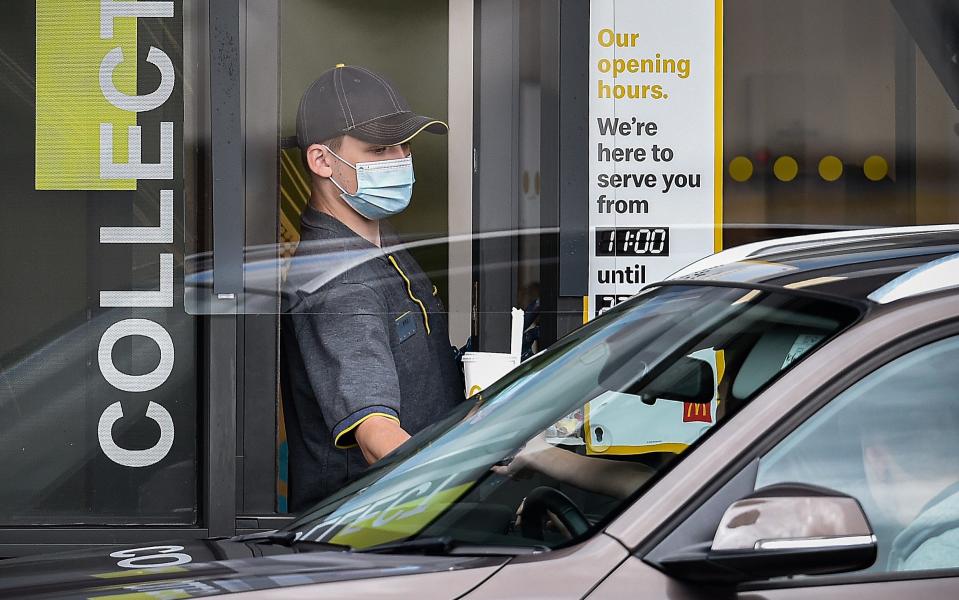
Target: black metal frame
{"type": "Point", "coordinates": [564, 57]}
{"type": "Point", "coordinates": [570, 59]}
{"type": "Point", "coordinates": [496, 146]}
{"type": "Point", "coordinates": [258, 335]}
{"type": "Point", "coordinates": [564, 54]}
{"type": "Point", "coordinates": [226, 152]}
{"type": "Point", "coordinates": [243, 348]}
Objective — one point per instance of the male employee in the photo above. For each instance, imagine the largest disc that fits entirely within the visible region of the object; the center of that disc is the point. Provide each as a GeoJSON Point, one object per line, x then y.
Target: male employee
{"type": "Point", "coordinates": [367, 360]}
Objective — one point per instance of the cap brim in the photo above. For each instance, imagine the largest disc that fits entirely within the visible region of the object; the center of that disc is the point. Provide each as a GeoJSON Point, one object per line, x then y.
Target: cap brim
{"type": "Point", "coordinates": [397, 129]}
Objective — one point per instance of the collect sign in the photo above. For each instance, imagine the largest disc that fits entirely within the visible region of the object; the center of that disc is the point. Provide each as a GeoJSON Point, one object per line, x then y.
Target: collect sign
{"type": "Point", "coordinates": [95, 117]}
{"type": "Point", "coordinates": [655, 141]}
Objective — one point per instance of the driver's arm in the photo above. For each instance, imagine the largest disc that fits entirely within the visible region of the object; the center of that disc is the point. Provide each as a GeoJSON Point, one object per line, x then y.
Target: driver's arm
{"type": "Point", "coordinates": [612, 478]}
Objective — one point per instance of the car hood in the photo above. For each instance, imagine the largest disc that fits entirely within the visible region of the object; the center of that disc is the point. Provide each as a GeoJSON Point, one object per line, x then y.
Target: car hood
{"type": "Point", "coordinates": [198, 568]}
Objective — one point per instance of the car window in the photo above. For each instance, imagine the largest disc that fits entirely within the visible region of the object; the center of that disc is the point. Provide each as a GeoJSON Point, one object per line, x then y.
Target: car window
{"type": "Point", "coordinates": [578, 430]}
{"type": "Point", "coordinates": [633, 422]}
{"type": "Point", "coordinates": [891, 441]}
{"type": "Point", "coordinates": [613, 445]}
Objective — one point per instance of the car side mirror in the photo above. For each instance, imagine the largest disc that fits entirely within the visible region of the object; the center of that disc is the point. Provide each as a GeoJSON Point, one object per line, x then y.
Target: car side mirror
{"type": "Point", "coordinates": [781, 530]}
{"type": "Point", "coordinates": [686, 380]}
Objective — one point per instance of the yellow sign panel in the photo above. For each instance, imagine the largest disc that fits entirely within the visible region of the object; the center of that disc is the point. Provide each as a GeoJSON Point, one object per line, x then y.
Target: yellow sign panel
{"type": "Point", "coordinates": [398, 521]}
{"type": "Point", "coordinates": [638, 428]}
{"type": "Point", "coordinates": [70, 103]}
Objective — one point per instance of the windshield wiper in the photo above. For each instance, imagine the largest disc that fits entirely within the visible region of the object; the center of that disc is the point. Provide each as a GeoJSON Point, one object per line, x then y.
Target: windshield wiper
{"type": "Point", "coordinates": [288, 539]}
{"type": "Point", "coordinates": [446, 546]}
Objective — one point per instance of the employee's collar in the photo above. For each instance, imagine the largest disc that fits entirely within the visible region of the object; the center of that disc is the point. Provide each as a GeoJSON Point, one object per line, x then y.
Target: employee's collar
{"type": "Point", "coordinates": [321, 220]}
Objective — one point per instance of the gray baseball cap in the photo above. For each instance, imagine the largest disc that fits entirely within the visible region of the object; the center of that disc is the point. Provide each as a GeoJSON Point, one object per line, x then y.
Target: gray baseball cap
{"type": "Point", "coordinates": [354, 101]}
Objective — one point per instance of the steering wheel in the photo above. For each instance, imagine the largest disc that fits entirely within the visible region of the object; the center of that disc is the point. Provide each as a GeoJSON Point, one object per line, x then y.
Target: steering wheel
{"type": "Point", "coordinates": [545, 500]}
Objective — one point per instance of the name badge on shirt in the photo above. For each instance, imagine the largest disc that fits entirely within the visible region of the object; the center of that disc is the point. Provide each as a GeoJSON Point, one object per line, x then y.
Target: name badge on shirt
{"type": "Point", "coordinates": [405, 326]}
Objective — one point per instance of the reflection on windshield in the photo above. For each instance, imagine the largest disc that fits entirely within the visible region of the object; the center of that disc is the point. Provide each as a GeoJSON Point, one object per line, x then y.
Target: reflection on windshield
{"type": "Point", "coordinates": [647, 379]}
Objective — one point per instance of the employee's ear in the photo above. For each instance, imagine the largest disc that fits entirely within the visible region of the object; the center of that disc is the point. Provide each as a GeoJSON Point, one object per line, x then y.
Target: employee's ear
{"type": "Point", "coordinates": [318, 159]}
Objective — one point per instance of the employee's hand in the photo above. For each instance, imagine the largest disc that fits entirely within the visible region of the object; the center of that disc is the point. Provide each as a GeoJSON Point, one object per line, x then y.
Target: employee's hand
{"type": "Point", "coordinates": [378, 436]}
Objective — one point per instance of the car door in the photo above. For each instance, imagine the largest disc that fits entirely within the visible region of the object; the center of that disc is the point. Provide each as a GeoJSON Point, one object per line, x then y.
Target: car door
{"type": "Point", "coordinates": [890, 440]}
{"type": "Point", "coordinates": [888, 437]}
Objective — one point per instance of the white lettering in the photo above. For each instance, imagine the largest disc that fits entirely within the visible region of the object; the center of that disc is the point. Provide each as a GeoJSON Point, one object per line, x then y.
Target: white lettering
{"type": "Point", "coordinates": [135, 103]}
{"type": "Point", "coordinates": [111, 9]}
{"type": "Point", "coordinates": [162, 298]}
{"type": "Point", "coordinates": [135, 458]}
{"type": "Point", "coordinates": [367, 514]}
{"type": "Point", "coordinates": [163, 553]}
{"type": "Point", "coordinates": [331, 532]}
{"type": "Point", "coordinates": [134, 168]}
{"type": "Point", "coordinates": [427, 501]}
{"type": "Point", "coordinates": [384, 518]}
{"type": "Point", "coordinates": [162, 234]}
{"type": "Point", "coordinates": [125, 381]}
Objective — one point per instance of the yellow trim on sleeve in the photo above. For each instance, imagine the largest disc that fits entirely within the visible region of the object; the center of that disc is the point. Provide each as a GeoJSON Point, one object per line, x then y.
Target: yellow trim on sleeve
{"type": "Point", "coordinates": [409, 290]}
{"type": "Point", "coordinates": [336, 441]}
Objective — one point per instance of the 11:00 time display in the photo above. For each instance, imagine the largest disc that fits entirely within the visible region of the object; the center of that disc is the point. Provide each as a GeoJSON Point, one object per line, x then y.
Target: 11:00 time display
{"type": "Point", "coordinates": [632, 241]}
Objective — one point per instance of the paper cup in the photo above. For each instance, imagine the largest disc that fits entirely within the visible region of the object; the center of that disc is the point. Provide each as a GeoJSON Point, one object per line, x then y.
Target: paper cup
{"type": "Point", "coordinates": [483, 368]}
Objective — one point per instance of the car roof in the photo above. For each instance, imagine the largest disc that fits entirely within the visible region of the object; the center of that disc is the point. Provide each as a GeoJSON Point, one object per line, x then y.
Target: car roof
{"type": "Point", "coordinates": [876, 265]}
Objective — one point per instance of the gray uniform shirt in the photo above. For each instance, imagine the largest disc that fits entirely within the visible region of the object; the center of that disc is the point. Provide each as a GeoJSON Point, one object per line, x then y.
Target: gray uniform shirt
{"type": "Point", "coordinates": [373, 340]}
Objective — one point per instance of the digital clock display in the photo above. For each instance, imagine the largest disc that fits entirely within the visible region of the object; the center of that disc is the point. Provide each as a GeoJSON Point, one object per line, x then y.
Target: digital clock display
{"type": "Point", "coordinates": [632, 241]}
{"type": "Point", "coordinates": [604, 301]}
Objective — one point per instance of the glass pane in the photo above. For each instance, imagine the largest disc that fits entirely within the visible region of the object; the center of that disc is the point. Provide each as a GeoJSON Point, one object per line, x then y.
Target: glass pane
{"type": "Point", "coordinates": [890, 441]}
{"type": "Point", "coordinates": [837, 115]}
{"type": "Point", "coordinates": [98, 365]}
{"type": "Point", "coordinates": [530, 262]}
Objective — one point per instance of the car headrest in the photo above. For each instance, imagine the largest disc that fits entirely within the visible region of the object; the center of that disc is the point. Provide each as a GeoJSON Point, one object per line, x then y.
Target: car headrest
{"type": "Point", "coordinates": [767, 357]}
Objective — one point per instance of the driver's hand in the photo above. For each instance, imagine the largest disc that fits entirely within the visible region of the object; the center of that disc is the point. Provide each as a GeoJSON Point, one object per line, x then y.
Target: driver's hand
{"type": "Point", "coordinates": [553, 523]}
{"type": "Point", "coordinates": [527, 459]}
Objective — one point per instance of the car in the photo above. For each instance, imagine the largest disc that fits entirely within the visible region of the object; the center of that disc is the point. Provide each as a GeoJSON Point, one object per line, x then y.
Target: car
{"type": "Point", "coordinates": [779, 420]}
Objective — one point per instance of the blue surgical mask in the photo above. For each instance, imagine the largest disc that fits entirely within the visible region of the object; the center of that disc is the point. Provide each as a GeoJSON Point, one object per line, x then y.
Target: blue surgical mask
{"type": "Point", "coordinates": [383, 189]}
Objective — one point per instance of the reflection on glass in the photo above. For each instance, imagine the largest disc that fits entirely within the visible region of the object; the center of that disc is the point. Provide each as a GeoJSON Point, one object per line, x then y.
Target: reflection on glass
{"type": "Point", "coordinates": [647, 379]}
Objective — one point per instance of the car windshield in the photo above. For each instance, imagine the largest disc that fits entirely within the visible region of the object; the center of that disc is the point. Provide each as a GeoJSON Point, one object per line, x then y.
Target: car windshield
{"type": "Point", "coordinates": [564, 441]}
